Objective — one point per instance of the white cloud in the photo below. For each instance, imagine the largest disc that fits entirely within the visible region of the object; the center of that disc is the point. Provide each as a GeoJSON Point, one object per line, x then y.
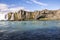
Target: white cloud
{"type": "Point", "coordinates": [4, 9]}
{"type": "Point", "coordinates": [39, 3]}
{"type": "Point", "coordinates": [3, 6]}
{"type": "Point", "coordinates": [16, 9]}
{"type": "Point", "coordinates": [12, 5]}
{"type": "Point", "coordinates": [29, 2]}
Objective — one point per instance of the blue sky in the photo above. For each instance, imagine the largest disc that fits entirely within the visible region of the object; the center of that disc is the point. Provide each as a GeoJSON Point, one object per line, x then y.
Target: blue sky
{"type": "Point", "coordinates": [32, 4]}
{"type": "Point", "coordinates": [28, 5]}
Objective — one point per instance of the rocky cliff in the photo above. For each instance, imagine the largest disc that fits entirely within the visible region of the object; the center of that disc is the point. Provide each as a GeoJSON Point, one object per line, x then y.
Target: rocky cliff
{"type": "Point", "coordinates": [36, 15]}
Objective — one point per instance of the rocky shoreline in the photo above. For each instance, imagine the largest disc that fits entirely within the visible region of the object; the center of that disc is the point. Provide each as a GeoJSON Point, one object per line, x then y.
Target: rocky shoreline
{"type": "Point", "coordinates": [22, 15]}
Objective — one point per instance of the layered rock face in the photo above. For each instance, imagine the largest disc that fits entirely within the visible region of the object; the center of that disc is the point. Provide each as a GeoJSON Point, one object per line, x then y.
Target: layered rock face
{"type": "Point", "coordinates": [36, 15]}
{"type": "Point", "coordinates": [10, 16]}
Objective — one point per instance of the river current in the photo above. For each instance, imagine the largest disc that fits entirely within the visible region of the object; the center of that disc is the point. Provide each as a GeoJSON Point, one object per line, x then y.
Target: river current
{"type": "Point", "coordinates": [29, 30]}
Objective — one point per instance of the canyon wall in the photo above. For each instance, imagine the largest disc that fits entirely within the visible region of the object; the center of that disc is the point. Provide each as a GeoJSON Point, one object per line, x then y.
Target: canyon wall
{"type": "Point", "coordinates": [36, 15]}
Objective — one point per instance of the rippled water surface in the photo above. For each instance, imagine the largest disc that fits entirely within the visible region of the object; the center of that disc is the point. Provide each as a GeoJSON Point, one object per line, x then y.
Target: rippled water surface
{"type": "Point", "coordinates": [29, 30]}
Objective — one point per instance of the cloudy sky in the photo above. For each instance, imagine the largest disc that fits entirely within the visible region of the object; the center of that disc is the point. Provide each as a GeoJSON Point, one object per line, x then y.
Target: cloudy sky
{"type": "Point", "coordinates": [29, 5]}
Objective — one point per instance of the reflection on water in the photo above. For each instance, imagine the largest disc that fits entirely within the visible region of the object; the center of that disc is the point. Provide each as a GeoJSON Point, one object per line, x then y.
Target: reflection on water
{"type": "Point", "coordinates": [30, 30]}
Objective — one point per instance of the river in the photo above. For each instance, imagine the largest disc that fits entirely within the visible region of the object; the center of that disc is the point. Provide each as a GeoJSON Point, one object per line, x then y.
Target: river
{"type": "Point", "coordinates": [30, 30]}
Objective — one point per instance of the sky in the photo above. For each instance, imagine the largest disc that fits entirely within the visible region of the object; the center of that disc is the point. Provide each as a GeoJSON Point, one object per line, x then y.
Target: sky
{"type": "Point", "coordinates": [28, 5]}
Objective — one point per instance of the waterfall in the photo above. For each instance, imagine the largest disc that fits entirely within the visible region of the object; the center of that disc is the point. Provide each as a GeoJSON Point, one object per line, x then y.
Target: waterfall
{"type": "Point", "coordinates": [6, 17]}
{"type": "Point", "coordinates": [12, 17]}
{"type": "Point", "coordinates": [2, 16]}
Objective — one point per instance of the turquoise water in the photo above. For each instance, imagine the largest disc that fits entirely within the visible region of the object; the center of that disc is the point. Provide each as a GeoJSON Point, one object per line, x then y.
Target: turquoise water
{"type": "Point", "coordinates": [27, 25]}
{"type": "Point", "coordinates": [29, 30]}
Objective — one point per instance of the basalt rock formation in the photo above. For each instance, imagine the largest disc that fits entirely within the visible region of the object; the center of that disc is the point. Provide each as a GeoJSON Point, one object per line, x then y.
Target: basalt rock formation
{"type": "Point", "coordinates": [36, 15]}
